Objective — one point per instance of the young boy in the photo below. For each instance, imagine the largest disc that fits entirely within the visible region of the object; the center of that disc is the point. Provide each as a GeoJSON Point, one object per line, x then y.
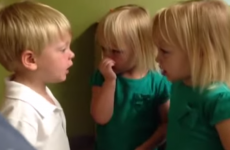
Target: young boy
{"type": "Point", "coordinates": [35, 47]}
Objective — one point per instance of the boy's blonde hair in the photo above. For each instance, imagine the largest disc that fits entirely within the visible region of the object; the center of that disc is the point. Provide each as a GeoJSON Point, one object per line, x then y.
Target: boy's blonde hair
{"type": "Point", "coordinates": [129, 27]}
{"type": "Point", "coordinates": [201, 29]}
{"type": "Point", "coordinates": [28, 26]}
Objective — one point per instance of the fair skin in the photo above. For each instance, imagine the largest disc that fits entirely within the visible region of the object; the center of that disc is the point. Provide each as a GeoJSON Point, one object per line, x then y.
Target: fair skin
{"type": "Point", "coordinates": [224, 133]}
{"type": "Point", "coordinates": [175, 65]}
{"type": "Point", "coordinates": [102, 98]}
{"type": "Point", "coordinates": [115, 61]}
{"type": "Point", "coordinates": [51, 66]}
{"type": "Point", "coordinates": [102, 103]}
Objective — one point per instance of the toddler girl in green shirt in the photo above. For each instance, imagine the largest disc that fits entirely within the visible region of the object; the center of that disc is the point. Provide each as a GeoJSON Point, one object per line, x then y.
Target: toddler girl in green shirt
{"type": "Point", "coordinates": [194, 53]}
{"type": "Point", "coordinates": [130, 96]}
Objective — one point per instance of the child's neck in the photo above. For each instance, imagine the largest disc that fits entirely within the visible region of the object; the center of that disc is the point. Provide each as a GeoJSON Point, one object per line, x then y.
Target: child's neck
{"type": "Point", "coordinates": [134, 74]}
{"type": "Point", "coordinates": [33, 83]}
{"type": "Point", "coordinates": [188, 82]}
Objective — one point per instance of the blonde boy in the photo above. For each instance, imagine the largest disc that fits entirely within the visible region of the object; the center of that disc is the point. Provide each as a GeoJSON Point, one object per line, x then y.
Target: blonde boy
{"type": "Point", "coordinates": [35, 47]}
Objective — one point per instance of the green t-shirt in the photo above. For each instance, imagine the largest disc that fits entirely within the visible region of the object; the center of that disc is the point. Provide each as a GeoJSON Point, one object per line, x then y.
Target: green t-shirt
{"type": "Point", "coordinates": [193, 116]}
{"type": "Point", "coordinates": [136, 115]}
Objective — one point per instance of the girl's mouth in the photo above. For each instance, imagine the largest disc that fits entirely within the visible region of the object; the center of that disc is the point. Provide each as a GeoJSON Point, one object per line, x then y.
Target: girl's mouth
{"type": "Point", "coordinates": [164, 72]}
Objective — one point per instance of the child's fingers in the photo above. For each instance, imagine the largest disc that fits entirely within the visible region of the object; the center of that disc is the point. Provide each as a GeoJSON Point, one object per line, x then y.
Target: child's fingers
{"type": "Point", "coordinates": [107, 63]}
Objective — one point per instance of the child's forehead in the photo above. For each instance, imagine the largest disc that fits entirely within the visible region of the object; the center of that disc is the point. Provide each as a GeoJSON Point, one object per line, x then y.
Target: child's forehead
{"type": "Point", "coordinates": [165, 38]}
{"type": "Point", "coordinates": [113, 45]}
{"type": "Point", "coordinates": [164, 44]}
{"type": "Point", "coordinates": [111, 48]}
{"type": "Point", "coordinates": [61, 40]}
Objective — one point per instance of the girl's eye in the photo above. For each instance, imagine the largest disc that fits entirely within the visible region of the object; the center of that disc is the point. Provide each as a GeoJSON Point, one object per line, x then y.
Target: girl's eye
{"type": "Point", "coordinates": [103, 49]}
{"type": "Point", "coordinates": [116, 51]}
{"type": "Point", "coordinates": [163, 51]}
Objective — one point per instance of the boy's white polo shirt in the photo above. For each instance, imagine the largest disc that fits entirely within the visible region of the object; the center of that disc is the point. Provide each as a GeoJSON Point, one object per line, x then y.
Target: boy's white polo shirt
{"type": "Point", "coordinates": [42, 123]}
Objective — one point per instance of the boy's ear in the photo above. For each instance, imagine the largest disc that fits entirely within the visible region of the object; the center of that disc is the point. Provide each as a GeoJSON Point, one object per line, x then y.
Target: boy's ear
{"type": "Point", "coordinates": [29, 60]}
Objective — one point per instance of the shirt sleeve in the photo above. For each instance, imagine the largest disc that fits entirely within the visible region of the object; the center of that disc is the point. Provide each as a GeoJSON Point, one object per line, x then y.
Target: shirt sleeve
{"type": "Point", "coordinates": [219, 108]}
{"type": "Point", "coordinates": [164, 90]}
{"type": "Point", "coordinates": [26, 129]}
{"type": "Point", "coordinates": [97, 79]}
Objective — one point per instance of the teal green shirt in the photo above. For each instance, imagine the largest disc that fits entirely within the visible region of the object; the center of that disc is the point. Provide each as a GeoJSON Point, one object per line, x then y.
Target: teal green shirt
{"type": "Point", "coordinates": [193, 116]}
{"type": "Point", "coordinates": [136, 115]}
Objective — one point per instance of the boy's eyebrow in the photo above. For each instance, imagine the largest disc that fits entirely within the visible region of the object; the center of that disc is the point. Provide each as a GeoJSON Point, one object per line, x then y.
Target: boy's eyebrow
{"type": "Point", "coordinates": [62, 43]}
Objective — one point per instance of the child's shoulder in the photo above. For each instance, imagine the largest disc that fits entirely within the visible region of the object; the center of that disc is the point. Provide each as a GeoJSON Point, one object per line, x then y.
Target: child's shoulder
{"type": "Point", "coordinates": [21, 102]}
{"type": "Point", "coordinates": [217, 93]}
{"type": "Point", "coordinates": [213, 93]}
{"type": "Point", "coordinates": [157, 75]}
{"type": "Point", "coordinates": [217, 103]}
{"type": "Point", "coordinates": [18, 110]}
{"type": "Point", "coordinates": [158, 79]}
{"type": "Point", "coordinates": [20, 114]}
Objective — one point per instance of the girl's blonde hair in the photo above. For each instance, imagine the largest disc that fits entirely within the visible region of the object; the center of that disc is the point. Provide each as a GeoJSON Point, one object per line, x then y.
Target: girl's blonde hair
{"type": "Point", "coordinates": [200, 28]}
{"type": "Point", "coordinates": [129, 27]}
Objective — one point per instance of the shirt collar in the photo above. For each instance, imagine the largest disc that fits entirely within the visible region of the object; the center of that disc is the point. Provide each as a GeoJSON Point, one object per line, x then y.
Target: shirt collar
{"type": "Point", "coordinates": [18, 91]}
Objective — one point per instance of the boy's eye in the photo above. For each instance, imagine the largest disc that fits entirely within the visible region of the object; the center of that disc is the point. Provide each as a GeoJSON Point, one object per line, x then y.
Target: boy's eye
{"type": "Point", "coordinates": [63, 50]}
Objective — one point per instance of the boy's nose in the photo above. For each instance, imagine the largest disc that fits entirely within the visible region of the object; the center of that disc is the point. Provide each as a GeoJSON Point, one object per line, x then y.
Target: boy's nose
{"type": "Point", "coordinates": [72, 55]}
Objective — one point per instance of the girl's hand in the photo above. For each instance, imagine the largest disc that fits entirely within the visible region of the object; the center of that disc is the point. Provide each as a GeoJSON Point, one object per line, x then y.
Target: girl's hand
{"type": "Point", "coordinates": [106, 69]}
